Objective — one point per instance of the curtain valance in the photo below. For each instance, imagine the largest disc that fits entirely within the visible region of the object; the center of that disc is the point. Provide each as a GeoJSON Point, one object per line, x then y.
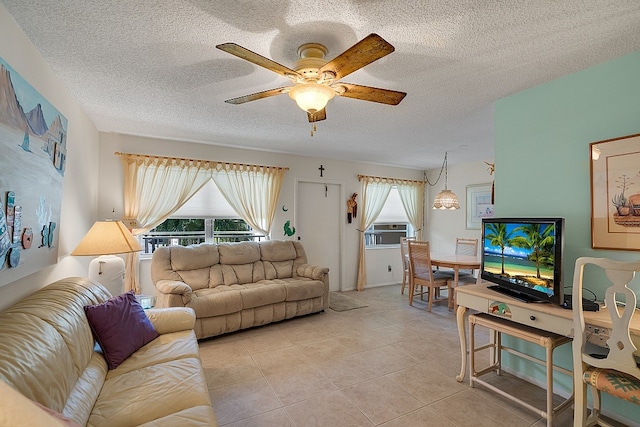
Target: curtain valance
{"type": "Point", "coordinates": [392, 181]}
{"type": "Point", "coordinates": [206, 164]}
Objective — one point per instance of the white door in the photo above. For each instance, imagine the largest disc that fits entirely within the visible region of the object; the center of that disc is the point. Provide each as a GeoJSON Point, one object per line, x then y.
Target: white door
{"type": "Point", "coordinates": [318, 226]}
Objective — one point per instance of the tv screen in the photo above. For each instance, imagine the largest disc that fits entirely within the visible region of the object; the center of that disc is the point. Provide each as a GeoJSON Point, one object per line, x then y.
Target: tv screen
{"type": "Point", "coordinates": [523, 257]}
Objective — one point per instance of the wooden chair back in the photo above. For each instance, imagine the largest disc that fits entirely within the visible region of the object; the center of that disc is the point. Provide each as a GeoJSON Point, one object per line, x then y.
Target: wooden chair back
{"type": "Point", "coordinates": [618, 365]}
{"type": "Point", "coordinates": [421, 272]}
{"type": "Point", "coordinates": [466, 247]}
{"type": "Point", "coordinates": [404, 253]}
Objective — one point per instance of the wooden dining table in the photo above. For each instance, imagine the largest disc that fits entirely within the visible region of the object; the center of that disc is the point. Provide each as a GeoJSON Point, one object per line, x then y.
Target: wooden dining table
{"type": "Point", "coordinates": [456, 263]}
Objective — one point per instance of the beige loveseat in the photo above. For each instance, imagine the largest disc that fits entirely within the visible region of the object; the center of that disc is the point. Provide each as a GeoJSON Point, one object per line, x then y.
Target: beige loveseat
{"type": "Point", "coordinates": [233, 286]}
{"type": "Point", "coordinates": [47, 355]}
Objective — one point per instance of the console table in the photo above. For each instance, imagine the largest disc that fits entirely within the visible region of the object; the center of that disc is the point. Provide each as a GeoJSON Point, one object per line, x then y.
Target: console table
{"type": "Point", "coordinates": [544, 324]}
{"type": "Point", "coordinates": [543, 316]}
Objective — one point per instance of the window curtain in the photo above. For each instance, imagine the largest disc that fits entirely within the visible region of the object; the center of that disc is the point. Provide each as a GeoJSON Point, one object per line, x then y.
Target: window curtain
{"type": "Point", "coordinates": [374, 193]}
{"type": "Point", "coordinates": [412, 197]}
{"type": "Point", "coordinates": [252, 191]}
{"type": "Point", "coordinates": [154, 188]}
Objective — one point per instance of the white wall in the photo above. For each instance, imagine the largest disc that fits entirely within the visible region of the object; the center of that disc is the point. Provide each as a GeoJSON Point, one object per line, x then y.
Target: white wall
{"type": "Point", "coordinates": [443, 226]}
{"type": "Point", "coordinates": [79, 192]}
{"type": "Point", "coordinates": [110, 190]}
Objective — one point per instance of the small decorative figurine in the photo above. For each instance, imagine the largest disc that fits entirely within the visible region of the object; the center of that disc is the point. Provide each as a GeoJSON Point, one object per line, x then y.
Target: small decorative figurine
{"type": "Point", "coordinates": [288, 231]}
{"type": "Point", "coordinates": [352, 207]}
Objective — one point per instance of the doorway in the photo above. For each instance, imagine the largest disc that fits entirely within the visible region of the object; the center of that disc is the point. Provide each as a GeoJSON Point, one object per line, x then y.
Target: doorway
{"type": "Point", "coordinates": [318, 226]}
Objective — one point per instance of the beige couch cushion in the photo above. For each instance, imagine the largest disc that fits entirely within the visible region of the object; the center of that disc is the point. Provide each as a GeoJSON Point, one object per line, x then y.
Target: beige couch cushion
{"type": "Point", "coordinates": [239, 253]}
{"type": "Point", "coordinates": [259, 294]}
{"type": "Point", "coordinates": [17, 410]}
{"type": "Point", "coordinates": [278, 250]}
{"type": "Point", "coordinates": [302, 289]}
{"type": "Point", "coordinates": [157, 391]}
{"type": "Point", "coordinates": [239, 274]}
{"type": "Point", "coordinates": [49, 330]}
{"type": "Point", "coordinates": [165, 348]}
{"type": "Point", "coordinates": [217, 301]}
{"type": "Point", "coordinates": [196, 279]}
{"type": "Point", "coordinates": [193, 257]}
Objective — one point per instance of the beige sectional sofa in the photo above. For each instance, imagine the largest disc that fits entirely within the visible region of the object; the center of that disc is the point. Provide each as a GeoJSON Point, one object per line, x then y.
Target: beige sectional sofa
{"type": "Point", "coordinates": [48, 355]}
{"type": "Point", "coordinates": [233, 286]}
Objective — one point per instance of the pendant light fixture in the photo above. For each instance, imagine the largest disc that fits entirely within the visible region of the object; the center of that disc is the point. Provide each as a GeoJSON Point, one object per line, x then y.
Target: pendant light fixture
{"type": "Point", "coordinates": [446, 199]}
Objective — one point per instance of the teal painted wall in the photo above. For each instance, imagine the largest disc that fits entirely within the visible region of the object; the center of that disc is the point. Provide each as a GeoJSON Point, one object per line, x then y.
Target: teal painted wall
{"type": "Point", "coordinates": [542, 138]}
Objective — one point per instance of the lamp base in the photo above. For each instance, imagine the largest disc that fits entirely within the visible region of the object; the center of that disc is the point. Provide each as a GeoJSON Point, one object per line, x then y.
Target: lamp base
{"type": "Point", "coordinates": [108, 270]}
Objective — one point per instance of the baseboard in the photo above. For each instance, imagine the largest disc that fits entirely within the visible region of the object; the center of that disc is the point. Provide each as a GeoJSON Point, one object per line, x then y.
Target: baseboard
{"type": "Point", "coordinates": [377, 285]}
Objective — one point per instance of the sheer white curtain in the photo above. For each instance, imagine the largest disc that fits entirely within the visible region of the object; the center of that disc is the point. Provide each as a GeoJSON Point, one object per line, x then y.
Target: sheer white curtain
{"type": "Point", "coordinates": [412, 197]}
{"type": "Point", "coordinates": [252, 191]}
{"type": "Point", "coordinates": [154, 188]}
{"type": "Point", "coordinates": [374, 193]}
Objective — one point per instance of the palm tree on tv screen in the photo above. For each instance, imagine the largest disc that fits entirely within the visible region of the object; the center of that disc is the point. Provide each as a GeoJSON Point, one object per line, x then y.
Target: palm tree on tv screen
{"type": "Point", "coordinates": [539, 238]}
{"type": "Point", "coordinates": [498, 235]}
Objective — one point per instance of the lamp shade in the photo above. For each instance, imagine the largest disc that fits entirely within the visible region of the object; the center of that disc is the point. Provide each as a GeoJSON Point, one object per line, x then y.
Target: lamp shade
{"type": "Point", "coordinates": [311, 97]}
{"type": "Point", "coordinates": [107, 238]}
{"type": "Point", "coordinates": [446, 199]}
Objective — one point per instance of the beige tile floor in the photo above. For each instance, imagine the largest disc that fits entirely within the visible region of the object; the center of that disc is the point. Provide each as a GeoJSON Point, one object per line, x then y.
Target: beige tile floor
{"type": "Point", "coordinates": [387, 364]}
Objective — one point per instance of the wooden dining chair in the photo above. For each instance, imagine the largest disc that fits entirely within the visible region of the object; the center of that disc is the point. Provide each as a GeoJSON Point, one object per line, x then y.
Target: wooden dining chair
{"type": "Point", "coordinates": [404, 253]}
{"type": "Point", "coordinates": [421, 274]}
{"type": "Point", "coordinates": [466, 247]}
{"type": "Point", "coordinates": [465, 276]}
{"type": "Point", "coordinates": [614, 371]}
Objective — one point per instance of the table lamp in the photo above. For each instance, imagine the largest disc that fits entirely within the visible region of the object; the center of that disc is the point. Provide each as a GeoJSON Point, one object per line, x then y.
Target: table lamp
{"type": "Point", "coordinates": [107, 238]}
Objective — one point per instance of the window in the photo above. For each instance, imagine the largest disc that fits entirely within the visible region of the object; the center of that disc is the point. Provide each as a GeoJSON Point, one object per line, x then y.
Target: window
{"type": "Point", "coordinates": [391, 224]}
{"type": "Point", "coordinates": [206, 217]}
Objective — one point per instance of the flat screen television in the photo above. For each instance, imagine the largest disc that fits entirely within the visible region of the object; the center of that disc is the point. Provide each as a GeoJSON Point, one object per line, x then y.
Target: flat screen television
{"type": "Point", "coordinates": [523, 257]}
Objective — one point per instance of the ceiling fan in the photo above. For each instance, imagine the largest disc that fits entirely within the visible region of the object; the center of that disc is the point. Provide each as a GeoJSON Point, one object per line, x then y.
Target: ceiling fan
{"type": "Point", "coordinates": [316, 80]}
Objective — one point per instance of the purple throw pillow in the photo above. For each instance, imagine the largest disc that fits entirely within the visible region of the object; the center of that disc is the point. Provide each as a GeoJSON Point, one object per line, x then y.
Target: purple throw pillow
{"type": "Point", "coordinates": [120, 326]}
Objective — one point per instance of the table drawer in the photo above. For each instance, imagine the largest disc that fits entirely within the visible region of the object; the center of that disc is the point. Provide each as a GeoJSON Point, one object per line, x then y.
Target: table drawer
{"type": "Point", "coordinates": [531, 317]}
{"type": "Point", "coordinates": [545, 321]}
{"type": "Point", "coordinates": [473, 302]}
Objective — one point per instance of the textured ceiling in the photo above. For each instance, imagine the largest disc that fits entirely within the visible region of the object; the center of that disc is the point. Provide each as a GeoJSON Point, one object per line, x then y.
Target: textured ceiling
{"type": "Point", "coordinates": [150, 68]}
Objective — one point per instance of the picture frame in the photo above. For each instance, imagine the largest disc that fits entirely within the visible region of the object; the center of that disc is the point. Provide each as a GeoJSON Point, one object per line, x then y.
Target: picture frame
{"type": "Point", "coordinates": [615, 193]}
{"type": "Point", "coordinates": [478, 205]}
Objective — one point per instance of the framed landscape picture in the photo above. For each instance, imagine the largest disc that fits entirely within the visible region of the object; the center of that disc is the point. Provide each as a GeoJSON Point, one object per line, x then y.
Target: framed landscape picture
{"type": "Point", "coordinates": [615, 193]}
{"type": "Point", "coordinates": [478, 205]}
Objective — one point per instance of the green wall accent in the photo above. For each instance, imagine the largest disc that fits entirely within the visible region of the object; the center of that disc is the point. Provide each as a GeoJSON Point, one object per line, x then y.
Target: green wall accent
{"type": "Point", "coordinates": [542, 138]}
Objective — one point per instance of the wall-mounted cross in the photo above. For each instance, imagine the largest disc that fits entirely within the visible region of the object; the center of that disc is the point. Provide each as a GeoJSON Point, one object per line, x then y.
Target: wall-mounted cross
{"type": "Point", "coordinates": [321, 169]}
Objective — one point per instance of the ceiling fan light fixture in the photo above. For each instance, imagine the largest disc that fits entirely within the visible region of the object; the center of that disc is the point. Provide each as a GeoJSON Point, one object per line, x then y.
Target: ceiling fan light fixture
{"type": "Point", "coordinates": [311, 97]}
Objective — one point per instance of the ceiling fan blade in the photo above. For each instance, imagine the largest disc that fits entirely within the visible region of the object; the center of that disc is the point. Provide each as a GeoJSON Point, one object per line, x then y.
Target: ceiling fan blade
{"type": "Point", "coordinates": [367, 50]}
{"type": "Point", "coordinates": [257, 95]}
{"type": "Point", "coordinates": [257, 59]}
{"type": "Point", "coordinates": [366, 93]}
{"type": "Point", "coordinates": [317, 116]}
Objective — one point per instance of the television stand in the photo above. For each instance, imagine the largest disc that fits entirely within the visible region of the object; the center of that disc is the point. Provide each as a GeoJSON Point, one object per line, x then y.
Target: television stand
{"type": "Point", "coordinates": [513, 294]}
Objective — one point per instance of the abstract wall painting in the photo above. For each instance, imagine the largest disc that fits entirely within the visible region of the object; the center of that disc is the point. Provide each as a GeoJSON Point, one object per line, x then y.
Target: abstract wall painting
{"type": "Point", "coordinates": [33, 139]}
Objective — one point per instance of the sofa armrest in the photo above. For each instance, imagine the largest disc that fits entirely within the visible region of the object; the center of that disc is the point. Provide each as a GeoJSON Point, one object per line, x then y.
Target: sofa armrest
{"type": "Point", "coordinates": [312, 271]}
{"type": "Point", "coordinates": [168, 288]}
{"type": "Point", "coordinates": [171, 319]}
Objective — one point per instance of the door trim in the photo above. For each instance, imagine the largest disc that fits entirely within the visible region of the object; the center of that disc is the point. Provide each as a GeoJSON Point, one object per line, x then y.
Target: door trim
{"type": "Point", "coordinates": [340, 185]}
